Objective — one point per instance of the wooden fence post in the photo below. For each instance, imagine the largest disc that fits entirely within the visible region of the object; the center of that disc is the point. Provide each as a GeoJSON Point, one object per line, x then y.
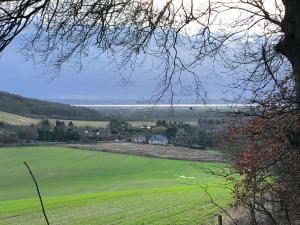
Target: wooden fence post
{"type": "Point", "coordinates": [220, 222]}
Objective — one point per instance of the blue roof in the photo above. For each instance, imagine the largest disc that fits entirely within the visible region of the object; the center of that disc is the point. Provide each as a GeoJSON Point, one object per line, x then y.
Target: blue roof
{"type": "Point", "coordinates": [158, 137]}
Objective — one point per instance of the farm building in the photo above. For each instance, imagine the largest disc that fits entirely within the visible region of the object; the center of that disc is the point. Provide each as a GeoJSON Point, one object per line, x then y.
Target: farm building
{"type": "Point", "coordinates": [138, 138]}
{"type": "Point", "coordinates": [158, 139]}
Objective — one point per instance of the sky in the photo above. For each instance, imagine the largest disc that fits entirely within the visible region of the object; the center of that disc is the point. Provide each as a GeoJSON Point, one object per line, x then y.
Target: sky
{"type": "Point", "coordinates": [99, 83]}
{"type": "Point", "coordinates": [95, 83]}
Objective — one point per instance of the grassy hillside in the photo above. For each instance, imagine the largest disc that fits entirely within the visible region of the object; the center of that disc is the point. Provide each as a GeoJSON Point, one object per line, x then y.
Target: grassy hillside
{"type": "Point", "coordinates": [32, 107]}
{"type": "Point", "coordinates": [14, 119]}
{"type": "Point", "coordinates": [86, 187]}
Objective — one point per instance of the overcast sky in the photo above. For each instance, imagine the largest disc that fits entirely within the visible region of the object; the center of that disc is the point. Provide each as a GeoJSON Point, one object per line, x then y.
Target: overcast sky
{"type": "Point", "coordinates": [95, 83]}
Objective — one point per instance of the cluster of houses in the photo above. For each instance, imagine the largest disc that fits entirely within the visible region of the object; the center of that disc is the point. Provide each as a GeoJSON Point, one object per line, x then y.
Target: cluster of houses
{"type": "Point", "coordinates": [120, 130]}
{"type": "Point", "coordinates": [105, 134]}
{"type": "Point", "coordinates": [156, 139]}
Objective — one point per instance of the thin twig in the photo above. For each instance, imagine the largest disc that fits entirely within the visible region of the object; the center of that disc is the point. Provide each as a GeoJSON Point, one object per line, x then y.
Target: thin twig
{"type": "Point", "coordinates": [217, 205]}
{"type": "Point", "coordinates": [38, 191]}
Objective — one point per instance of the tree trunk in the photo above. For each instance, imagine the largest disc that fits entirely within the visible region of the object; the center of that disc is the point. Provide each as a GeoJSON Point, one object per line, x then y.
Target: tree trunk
{"type": "Point", "coordinates": [290, 47]}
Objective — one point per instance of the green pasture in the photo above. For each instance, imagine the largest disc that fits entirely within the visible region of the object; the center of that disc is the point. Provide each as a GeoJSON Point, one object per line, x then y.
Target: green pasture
{"type": "Point", "coordinates": [87, 187]}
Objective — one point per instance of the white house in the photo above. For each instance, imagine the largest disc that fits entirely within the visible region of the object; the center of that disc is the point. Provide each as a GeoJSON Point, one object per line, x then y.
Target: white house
{"type": "Point", "coordinates": [138, 139]}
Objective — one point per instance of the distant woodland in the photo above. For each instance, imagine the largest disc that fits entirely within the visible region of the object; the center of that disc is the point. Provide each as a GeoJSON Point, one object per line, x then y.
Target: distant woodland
{"type": "Point", "coordinates": [19, 105]}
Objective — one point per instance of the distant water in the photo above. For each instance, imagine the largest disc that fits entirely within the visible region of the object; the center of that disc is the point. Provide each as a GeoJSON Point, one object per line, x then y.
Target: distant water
{"type": "Point", "coordinates": [162, 105]}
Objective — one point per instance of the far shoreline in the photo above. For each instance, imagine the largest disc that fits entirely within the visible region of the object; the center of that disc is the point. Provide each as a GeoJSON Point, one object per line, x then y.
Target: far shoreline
{"type": "Point", "coordinates": [163, 105]}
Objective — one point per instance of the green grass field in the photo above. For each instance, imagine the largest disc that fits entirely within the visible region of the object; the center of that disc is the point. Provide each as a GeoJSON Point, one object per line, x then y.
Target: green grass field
{"type": "Point", "coordinates": [14, 119]}
{"type": "Point", "coordinates": [86, 187]}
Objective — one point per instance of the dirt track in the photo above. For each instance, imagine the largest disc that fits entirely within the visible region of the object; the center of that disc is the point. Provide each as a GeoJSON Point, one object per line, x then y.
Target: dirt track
{"type": "Point", "coordinates": [165, 152]}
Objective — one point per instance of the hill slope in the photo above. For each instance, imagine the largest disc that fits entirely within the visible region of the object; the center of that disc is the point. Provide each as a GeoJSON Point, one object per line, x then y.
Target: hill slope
{"type": "Point", "coordinates": [19, 105]}
{"type": "Point", "coordinates": [14, 119]}
{"type": "Point", "coordinates": [105, 188]}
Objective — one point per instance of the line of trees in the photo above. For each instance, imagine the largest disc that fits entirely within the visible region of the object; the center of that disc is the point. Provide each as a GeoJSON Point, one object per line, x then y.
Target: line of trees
{"type": "Point", "coordinates": [206, 132]}
{"type": "Point", "coordinates": [60, 132]}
